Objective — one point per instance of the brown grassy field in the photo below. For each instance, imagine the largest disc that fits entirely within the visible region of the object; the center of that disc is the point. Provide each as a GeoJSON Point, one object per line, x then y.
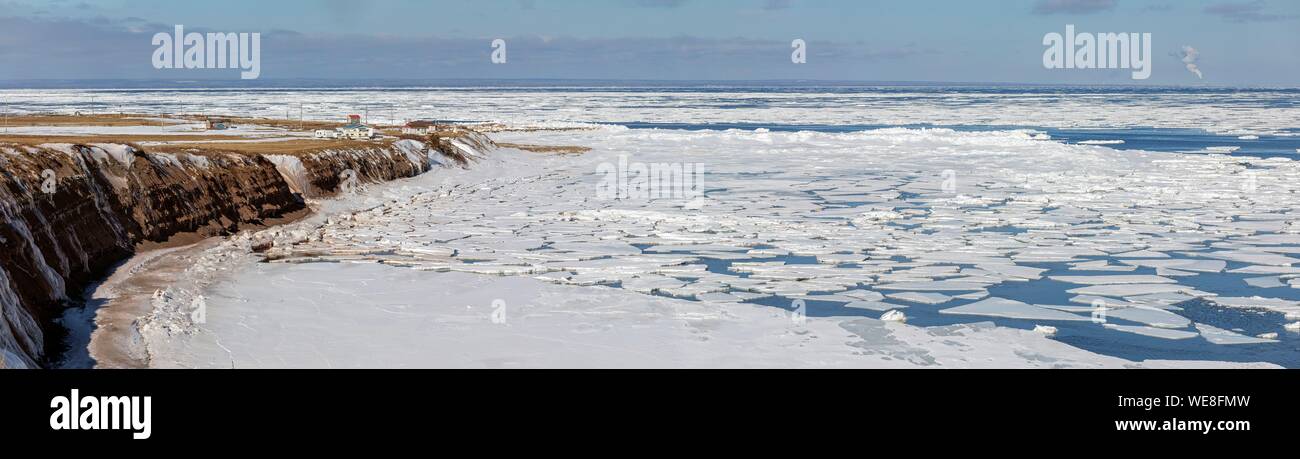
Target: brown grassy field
{"type": "Point", "coordinates": [293, 125]}
{"type": "Point", "coordinates": [153, 120]}
{"type": "Point", "coordinates": [83, 120]}
{"type": "Point", "coordinates": [215, 144]}
{"type": "Point", "coordinates": [284, 147]}
{"type": "Point", "coordinates": [210, 144]}
{"type": "Point", "coordinates": [125, 138]}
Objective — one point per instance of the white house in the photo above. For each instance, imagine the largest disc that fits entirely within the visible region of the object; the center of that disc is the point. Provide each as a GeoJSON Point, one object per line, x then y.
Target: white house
{"type": "Point", "coordinates": [357, 132]}
{"type": "Point", "coordinates": [354, 130]}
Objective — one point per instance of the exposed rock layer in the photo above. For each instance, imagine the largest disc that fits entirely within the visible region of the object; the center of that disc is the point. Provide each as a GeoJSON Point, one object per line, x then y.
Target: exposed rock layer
{"type": "Point", "coordinates": [68, 213]}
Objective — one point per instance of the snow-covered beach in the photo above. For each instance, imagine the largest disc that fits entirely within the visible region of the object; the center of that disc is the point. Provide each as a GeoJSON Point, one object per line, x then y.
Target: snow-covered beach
{"type": "Point", "coordinates": [521, 262]}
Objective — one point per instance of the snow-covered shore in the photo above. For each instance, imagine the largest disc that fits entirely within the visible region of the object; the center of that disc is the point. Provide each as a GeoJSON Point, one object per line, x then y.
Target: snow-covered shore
{"type": "Point", "coordinates": [130, 324]}
{"type": "Point", "coordinates": [518, 262]}
{"type": "Point", "coordinates": [72, 207]}
{"type": "Point", "coordinates": [376, 316]}
{"type": "Point", "coordinates": [368, 315]}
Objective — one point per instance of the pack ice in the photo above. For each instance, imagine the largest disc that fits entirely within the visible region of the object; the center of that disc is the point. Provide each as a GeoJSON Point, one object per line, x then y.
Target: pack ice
{"type": "Point", "coordinates": [942, 224]}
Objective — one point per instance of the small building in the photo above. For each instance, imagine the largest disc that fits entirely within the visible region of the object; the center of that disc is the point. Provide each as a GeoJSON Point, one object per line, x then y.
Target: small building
{"type": "Point", "coordinates": [420, 128]}
{"type": "Point", "coordinates": [354, 130]}
{"type": "Point", "coordinates": [219, 124]}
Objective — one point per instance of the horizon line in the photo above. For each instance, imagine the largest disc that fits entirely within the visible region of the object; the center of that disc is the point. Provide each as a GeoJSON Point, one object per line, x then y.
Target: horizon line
{"type": "Point", "coordinates": [202, 83]}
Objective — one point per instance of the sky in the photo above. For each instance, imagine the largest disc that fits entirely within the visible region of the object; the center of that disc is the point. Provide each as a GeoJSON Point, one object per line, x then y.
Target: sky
{"type": "Point", "coordinates": [1236, 42]}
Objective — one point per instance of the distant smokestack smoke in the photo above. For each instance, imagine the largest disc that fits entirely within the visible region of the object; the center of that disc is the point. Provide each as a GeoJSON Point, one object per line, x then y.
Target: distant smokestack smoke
{"type": "Point", "coordinates": [1190, 55]}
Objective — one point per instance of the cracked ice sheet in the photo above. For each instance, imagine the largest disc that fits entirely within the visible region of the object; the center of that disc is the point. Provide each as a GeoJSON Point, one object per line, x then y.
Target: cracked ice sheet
{"type": "Point", "coordinates": [1113, 280]}
{"type": "Point", "coordinates": [1157, 318]}
{"type": "Point", "coordinates": [375, 316]}
{"type": "Point", "coordinates": [758, 205]}
{"type": "Point", "coordinates": [1236, 112]}
{"type": "Point", "coordinates": [1011, 309]}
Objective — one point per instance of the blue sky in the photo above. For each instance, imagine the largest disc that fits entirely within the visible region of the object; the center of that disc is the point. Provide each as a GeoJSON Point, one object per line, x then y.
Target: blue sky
{"type": "Point", "coordinates": [1240, 42]}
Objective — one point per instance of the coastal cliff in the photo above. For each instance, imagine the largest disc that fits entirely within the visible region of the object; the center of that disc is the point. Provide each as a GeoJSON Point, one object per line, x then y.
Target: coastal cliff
{"type": "Point", "coordinates": [70, 212]}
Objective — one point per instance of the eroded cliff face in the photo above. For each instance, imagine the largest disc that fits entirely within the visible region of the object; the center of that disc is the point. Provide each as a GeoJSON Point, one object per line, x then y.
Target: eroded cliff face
{"type": "Point", "coordinates": [69, 212]}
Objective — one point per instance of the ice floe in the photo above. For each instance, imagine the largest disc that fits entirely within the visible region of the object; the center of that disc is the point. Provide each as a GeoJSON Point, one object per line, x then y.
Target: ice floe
{"type": "Point", "coordinates": [1011, 309]}
{"type": "Point", "coordinates": [1220, 336]}
{"type": "Point", "coordinates": [894, 316]}
{"type": "Point", "coordinates": [1154, 332]}
{"type": "Point", "coordinates": [921, 297]}
{"type": "Point", "coordinates": [1265, 282]}
{"type": "Point", "coordinates": [1154, 317]}
{"type": "Point", "coordinates": [1113, 280]}
{"type": "Point", "coordinates": [1124, 290]}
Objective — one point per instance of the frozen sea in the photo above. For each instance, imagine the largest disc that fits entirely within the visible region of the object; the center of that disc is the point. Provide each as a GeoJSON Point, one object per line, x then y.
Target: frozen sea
{"type": "Point", "coordinates": [1007, 227]}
